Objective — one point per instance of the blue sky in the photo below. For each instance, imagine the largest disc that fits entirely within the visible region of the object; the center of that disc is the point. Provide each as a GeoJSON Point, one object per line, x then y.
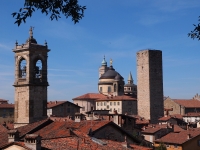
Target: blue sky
{"type": "Point", "coordinates": [114, 28]}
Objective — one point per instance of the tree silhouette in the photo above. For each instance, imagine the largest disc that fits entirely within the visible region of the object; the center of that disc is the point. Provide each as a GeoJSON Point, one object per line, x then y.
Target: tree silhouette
{"type": "Point", "coordinates": [69, 8]}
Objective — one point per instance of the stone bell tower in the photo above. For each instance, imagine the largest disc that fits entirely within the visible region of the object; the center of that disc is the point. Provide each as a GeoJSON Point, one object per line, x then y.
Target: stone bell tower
{"type": "Point", "coordinates": [30, 81]}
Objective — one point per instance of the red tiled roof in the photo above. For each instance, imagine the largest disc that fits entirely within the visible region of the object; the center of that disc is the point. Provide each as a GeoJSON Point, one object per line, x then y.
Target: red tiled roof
{"type": "Point", "coordinates": [188, 103]}
{"type": "Point", "coordinates": [86, 142]}
{"type": "Point", "coordinates": [3, 100]}
{"type": "Point", "coordinates": [93, 125]}
{"type": "Point", "coordinates": [192, 114]}
{"type": "Point", "coordinates": [54, 130]}
{"type": "Point", "coordinates": [164, 118]}
{"type": "Point", "coordinates": [178, 138]}
{"type": "Point", "coordinates": [52, 104]}
{"type": "Point", "coordinates": [153, 128]}
{"type": "Point", "coordinates": [7, 106]}
{"type": "Point", "coordinates": [3, 135]}
{"type": "Point", "coordinates": [23, 130]}
{"type": "Point", "coordinates": [123, 97]}
{"type": "Point", "coordinates": [177, 128]}
{"type": "Point", "coordinates": [91, 96]}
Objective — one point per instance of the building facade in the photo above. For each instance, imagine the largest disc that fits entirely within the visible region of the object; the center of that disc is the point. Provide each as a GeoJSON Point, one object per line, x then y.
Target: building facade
{"type": "Point", "coordinates": [120, 104]}
{"type": "Point", "coordinates": [150, 84]}
{"type": "Point", "coordinates": [30, 81]}
{"type": "Point", "coordinates": [62, 109]}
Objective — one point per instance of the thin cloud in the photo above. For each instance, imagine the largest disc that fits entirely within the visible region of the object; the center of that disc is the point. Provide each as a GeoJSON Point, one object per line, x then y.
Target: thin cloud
{"type": "Point", "coordinates": [3, 46]}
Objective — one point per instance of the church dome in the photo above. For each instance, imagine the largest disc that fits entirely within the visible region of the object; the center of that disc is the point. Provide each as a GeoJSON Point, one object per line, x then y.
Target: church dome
{"type": "Point", "coordinates": [111, 74]}
{"type": "Point", "coordinates": [31, 40]}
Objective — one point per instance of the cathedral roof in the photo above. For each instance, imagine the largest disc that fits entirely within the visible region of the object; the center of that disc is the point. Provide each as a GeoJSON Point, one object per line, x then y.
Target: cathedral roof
{"type": "Point", "coordinates": [111, 74]}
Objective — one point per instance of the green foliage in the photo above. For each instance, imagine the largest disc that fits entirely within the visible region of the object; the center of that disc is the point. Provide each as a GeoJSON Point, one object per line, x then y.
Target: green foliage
{"type": "Point", "coordinates": [53, 7]}
{"type": "Point", "coordinates": [161, 147]}
{"type": "Point", "coordinates": [196, 32]}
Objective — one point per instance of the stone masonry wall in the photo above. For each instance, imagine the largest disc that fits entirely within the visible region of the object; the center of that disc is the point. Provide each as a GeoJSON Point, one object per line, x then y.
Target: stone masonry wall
{"type": "Point", "coordinates": [150, 84]}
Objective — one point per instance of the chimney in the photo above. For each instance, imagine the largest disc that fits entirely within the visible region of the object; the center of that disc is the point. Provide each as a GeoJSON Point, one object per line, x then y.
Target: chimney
{"type": "Point", "coordinates": [189, 136]}
{"type": "Point", "coordinates": [33, 141]}
{"type": "Point", "coordinates": [13, 135]}
{"type": "Point", "coordinates": [125, 144]}
{"type": "Point", "coordinates": [55, 102]}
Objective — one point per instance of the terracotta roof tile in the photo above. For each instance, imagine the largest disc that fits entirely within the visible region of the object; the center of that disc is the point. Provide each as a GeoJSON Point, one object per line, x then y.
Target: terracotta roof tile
{"type": "Point", "coordinates": [54, 130]}
{"type": "Point", "coordinates": [3, 135]}
{"type": "Point", "coordinates": [178, 138]}
{"type": "Point", "coordinates": [122, 97]}
{"type": "Point", "coordinates": [188, 103]}
{"type": "Point", "coordinates": [52, 104]}
{"type": "Point", "coordinates": [192, 114]}
{"type": "Point", "coordinates": [92, 96]}
{"type": "Point", "coordinates": [7, 106]}
{"type": "Point", "coordinates": [23, 130]}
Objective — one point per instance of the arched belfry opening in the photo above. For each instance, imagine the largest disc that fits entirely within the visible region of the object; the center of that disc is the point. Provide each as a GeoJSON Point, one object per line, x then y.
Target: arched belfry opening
{"type": "Point", "coordinates": [30, 81]}
{"type": "Point", "coordinates": [22, 68]}
{"type": "Point", "coordinates": [38, 69]}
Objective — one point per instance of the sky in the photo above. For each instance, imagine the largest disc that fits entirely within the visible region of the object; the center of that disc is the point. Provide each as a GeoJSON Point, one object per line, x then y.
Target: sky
{"type": "Point", "coordinates": [114, 28]}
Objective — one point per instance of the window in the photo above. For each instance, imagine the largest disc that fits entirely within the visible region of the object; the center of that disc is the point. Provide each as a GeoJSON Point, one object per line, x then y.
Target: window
{"type": "Point", "coordinates": [100, 89]}
{"type": "Point", "coordinates": [175, 146]}
{"type": "Point", "coordinates": [110, 109]}
{"type": "Point", "coordinates": [101, 104]}
{"type": "Point", "coordinates": [110, 103]}
{"type": "Point", "coordinates": [104, 103]}
{"type": "Point", "coordinates": [114, 103]}
{"type": "Point", "coordinates": [118, 103]}
{"type": "Point", "coordinates": [107, 106]}
{"type": "Point", "coordinates": [115, 88]}
{"type": "Point", "coordinates": [97, 103]}
{"type": "Point", "coordinates": [109, 89]}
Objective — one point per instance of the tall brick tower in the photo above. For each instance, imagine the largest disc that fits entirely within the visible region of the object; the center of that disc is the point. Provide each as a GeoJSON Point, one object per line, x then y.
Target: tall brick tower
{"type": "Point", "coordinates": [30, 81]}
{"type": "Point", "coordinates": [150, 84]}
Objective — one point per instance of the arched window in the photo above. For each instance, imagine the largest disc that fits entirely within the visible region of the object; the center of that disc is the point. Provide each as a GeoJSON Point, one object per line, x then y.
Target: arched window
{"type": "Point", "coordinates": [38, 69]}
{"type": "Point", "coordinates": [109, 89]}
{"type": "Point", "coordinates": [22, 68]}
{"type": "Point", "coordinates": [115, 88]}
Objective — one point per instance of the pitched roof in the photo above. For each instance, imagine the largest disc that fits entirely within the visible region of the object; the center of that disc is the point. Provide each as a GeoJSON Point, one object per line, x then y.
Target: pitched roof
{"type": "Point", "coordinates": [3, 135]}
{"type": "Point", "coordinates": [122, 97]}
{"type": "Point", "coordinates": [192, 103]}
{"type": "Point", "coordinates": [178, 138]}
{"type": "Point", "coordinates": [54, 130]}
{"type": "Point", "coordinates": [7, 106]}
{"type": "Point", "coordinates": [153, 128]}
{"type": "Point", "coordinates": [27, 129]}
{"type": "Point", "coordinates": [175, 116]}
{"type": "Point", "coordinates": [91, 96]}
{"type": "Point", "coordinates": [192, 114]}
{"type": "Point", "coordinates": [21, 144]}
{"type": "Point", "coordinates": [52, 104]}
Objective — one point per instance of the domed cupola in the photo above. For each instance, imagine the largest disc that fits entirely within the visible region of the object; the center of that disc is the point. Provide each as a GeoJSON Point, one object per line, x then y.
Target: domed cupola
{"type": "Point", "coordinates": [111, 73]}
{"type": "Point", "coordinates": [111, 82]}
{"type": "Point", "coordinates": [118, 77]}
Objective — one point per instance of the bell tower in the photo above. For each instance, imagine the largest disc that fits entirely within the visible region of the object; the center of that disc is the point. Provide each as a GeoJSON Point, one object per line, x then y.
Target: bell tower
{"type": "Point", "coordinates": [30, 81]}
